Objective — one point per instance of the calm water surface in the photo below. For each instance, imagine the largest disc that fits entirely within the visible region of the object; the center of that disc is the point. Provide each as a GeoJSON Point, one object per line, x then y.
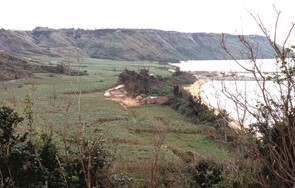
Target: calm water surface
{"type": "Point", "coordinates": [219, 94]}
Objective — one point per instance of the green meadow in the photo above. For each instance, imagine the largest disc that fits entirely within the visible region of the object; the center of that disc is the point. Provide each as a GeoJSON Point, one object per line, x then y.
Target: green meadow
{"type": "Point", "coordinates": [64, 105]}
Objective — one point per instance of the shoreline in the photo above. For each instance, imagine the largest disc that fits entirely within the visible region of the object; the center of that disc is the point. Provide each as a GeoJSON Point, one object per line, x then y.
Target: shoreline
{"type": "Point", "coordinates": [195, 90]}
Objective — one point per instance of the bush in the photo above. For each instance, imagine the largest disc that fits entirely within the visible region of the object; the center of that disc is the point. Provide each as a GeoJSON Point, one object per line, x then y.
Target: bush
{"type": "Point", "coordinates": [137, 83]}
{"type": "Point", "coordinates": [26, 164]}
{"type": "Point", "coordinates": [211, 174]}
{"type": "Point", "coordinates": [208, 174]}
{"type": "Point", "coordinates": [22, 163]}
{"type": "Point", "coordinates": [191, 107]}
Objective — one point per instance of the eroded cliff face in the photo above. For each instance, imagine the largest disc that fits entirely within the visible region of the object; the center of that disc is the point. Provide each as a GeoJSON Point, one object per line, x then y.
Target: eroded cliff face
{"type": "Point", "coordinates": [128, 44]}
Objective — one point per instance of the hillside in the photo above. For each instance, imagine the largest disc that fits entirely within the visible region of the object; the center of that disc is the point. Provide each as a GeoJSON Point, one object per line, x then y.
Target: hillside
{"type": "Point", "coordinates": [12, 68]}
{"type": "Point", "coordinates": [126, 44]}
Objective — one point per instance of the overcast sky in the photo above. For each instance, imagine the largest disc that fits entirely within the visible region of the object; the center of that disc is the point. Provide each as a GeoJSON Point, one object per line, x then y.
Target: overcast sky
{"type": "Point", "coordinates": [228, 16]}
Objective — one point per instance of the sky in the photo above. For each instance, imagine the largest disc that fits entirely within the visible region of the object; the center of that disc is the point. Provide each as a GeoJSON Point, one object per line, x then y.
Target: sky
{"type": "Point", "coordinates": [210, 16]}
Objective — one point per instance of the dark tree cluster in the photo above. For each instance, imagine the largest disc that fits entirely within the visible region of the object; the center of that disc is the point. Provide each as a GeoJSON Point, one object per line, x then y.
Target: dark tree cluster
{"type": "Point", "coordinates": [137, 83]}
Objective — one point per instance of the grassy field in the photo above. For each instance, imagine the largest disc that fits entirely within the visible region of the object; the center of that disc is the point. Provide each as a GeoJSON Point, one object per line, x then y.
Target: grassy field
{"type": "Point", "coordinates": [134, 135]}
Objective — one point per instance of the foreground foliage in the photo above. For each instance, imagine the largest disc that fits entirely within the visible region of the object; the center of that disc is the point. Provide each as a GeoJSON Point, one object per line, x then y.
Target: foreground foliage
{"type": "Point", "coordinates": [26, 162]}
{"type": "Point", "coordinates": [268, 143]}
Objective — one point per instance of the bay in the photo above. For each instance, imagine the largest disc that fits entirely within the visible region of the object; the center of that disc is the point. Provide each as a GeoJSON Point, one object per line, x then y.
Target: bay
{"type": "Point", "coordinates": [267, 65]}
{"type": "Point", "coordinates": [233, 95]}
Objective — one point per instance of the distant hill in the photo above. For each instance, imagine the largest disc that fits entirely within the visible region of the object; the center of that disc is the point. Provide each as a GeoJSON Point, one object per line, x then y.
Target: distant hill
{"type": "Point", "coordinates": [127, 44]}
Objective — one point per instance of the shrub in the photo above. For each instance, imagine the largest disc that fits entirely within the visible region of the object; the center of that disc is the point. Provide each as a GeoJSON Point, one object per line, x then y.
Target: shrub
{"type": "Point", "coordinates": [191, 107]}
{"type": "Point", "coordinates": [137, 83]}
{"type": "Point", "coordinates": [26, 164]}
{"type": "Point", "coordinates": [208, 173]}
{"type": "Point", "coordinates": [22, 163]}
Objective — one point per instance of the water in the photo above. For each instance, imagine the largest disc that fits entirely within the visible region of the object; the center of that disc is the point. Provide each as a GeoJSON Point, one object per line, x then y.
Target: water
{"type": "Point", "coordinates": [234, 95]}
{"type": "Point", "coordinates": [239, 98]}
{"type": "Point", "coordinates": [267, 65]}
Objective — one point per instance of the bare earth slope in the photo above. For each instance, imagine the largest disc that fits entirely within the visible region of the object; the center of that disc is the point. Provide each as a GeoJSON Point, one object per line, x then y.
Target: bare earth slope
{"type": "Point", "coordinates": [127, 44]}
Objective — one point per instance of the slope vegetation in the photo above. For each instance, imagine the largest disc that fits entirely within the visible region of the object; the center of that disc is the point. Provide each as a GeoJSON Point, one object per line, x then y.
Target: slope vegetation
{"type": "Point", "coordinates": [127, 44]}
{"type": "Point", "coordinates": [12, 68]}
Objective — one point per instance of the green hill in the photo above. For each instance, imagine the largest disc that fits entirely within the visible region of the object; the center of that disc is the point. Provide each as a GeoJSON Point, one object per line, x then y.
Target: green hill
{"type": "Point", "coordinates": [127, 44]}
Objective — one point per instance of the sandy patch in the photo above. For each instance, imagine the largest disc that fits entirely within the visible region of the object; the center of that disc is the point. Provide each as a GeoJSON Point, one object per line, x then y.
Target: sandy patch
{"type": "Point", "coordinates": [120, 95]}
{"type": "Point", "coordinates": [126, 102]}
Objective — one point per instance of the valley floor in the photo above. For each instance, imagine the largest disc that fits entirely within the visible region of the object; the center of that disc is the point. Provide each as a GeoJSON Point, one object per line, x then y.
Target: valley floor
{"type": "Point", "coordinates": [138, 137]}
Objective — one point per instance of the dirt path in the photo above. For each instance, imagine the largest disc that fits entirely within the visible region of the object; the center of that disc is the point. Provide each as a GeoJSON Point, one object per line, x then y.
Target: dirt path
{"type": "Point", "coordinates": [119, 94]}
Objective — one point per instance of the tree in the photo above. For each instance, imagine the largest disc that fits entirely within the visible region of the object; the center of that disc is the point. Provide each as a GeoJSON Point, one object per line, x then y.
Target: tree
{"type": "Point", "coordinates": [137, 83]}
{"type": "Point", "coordinates": [177, 72]}
{"type": "Point", "coordinates": [270, 141]}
